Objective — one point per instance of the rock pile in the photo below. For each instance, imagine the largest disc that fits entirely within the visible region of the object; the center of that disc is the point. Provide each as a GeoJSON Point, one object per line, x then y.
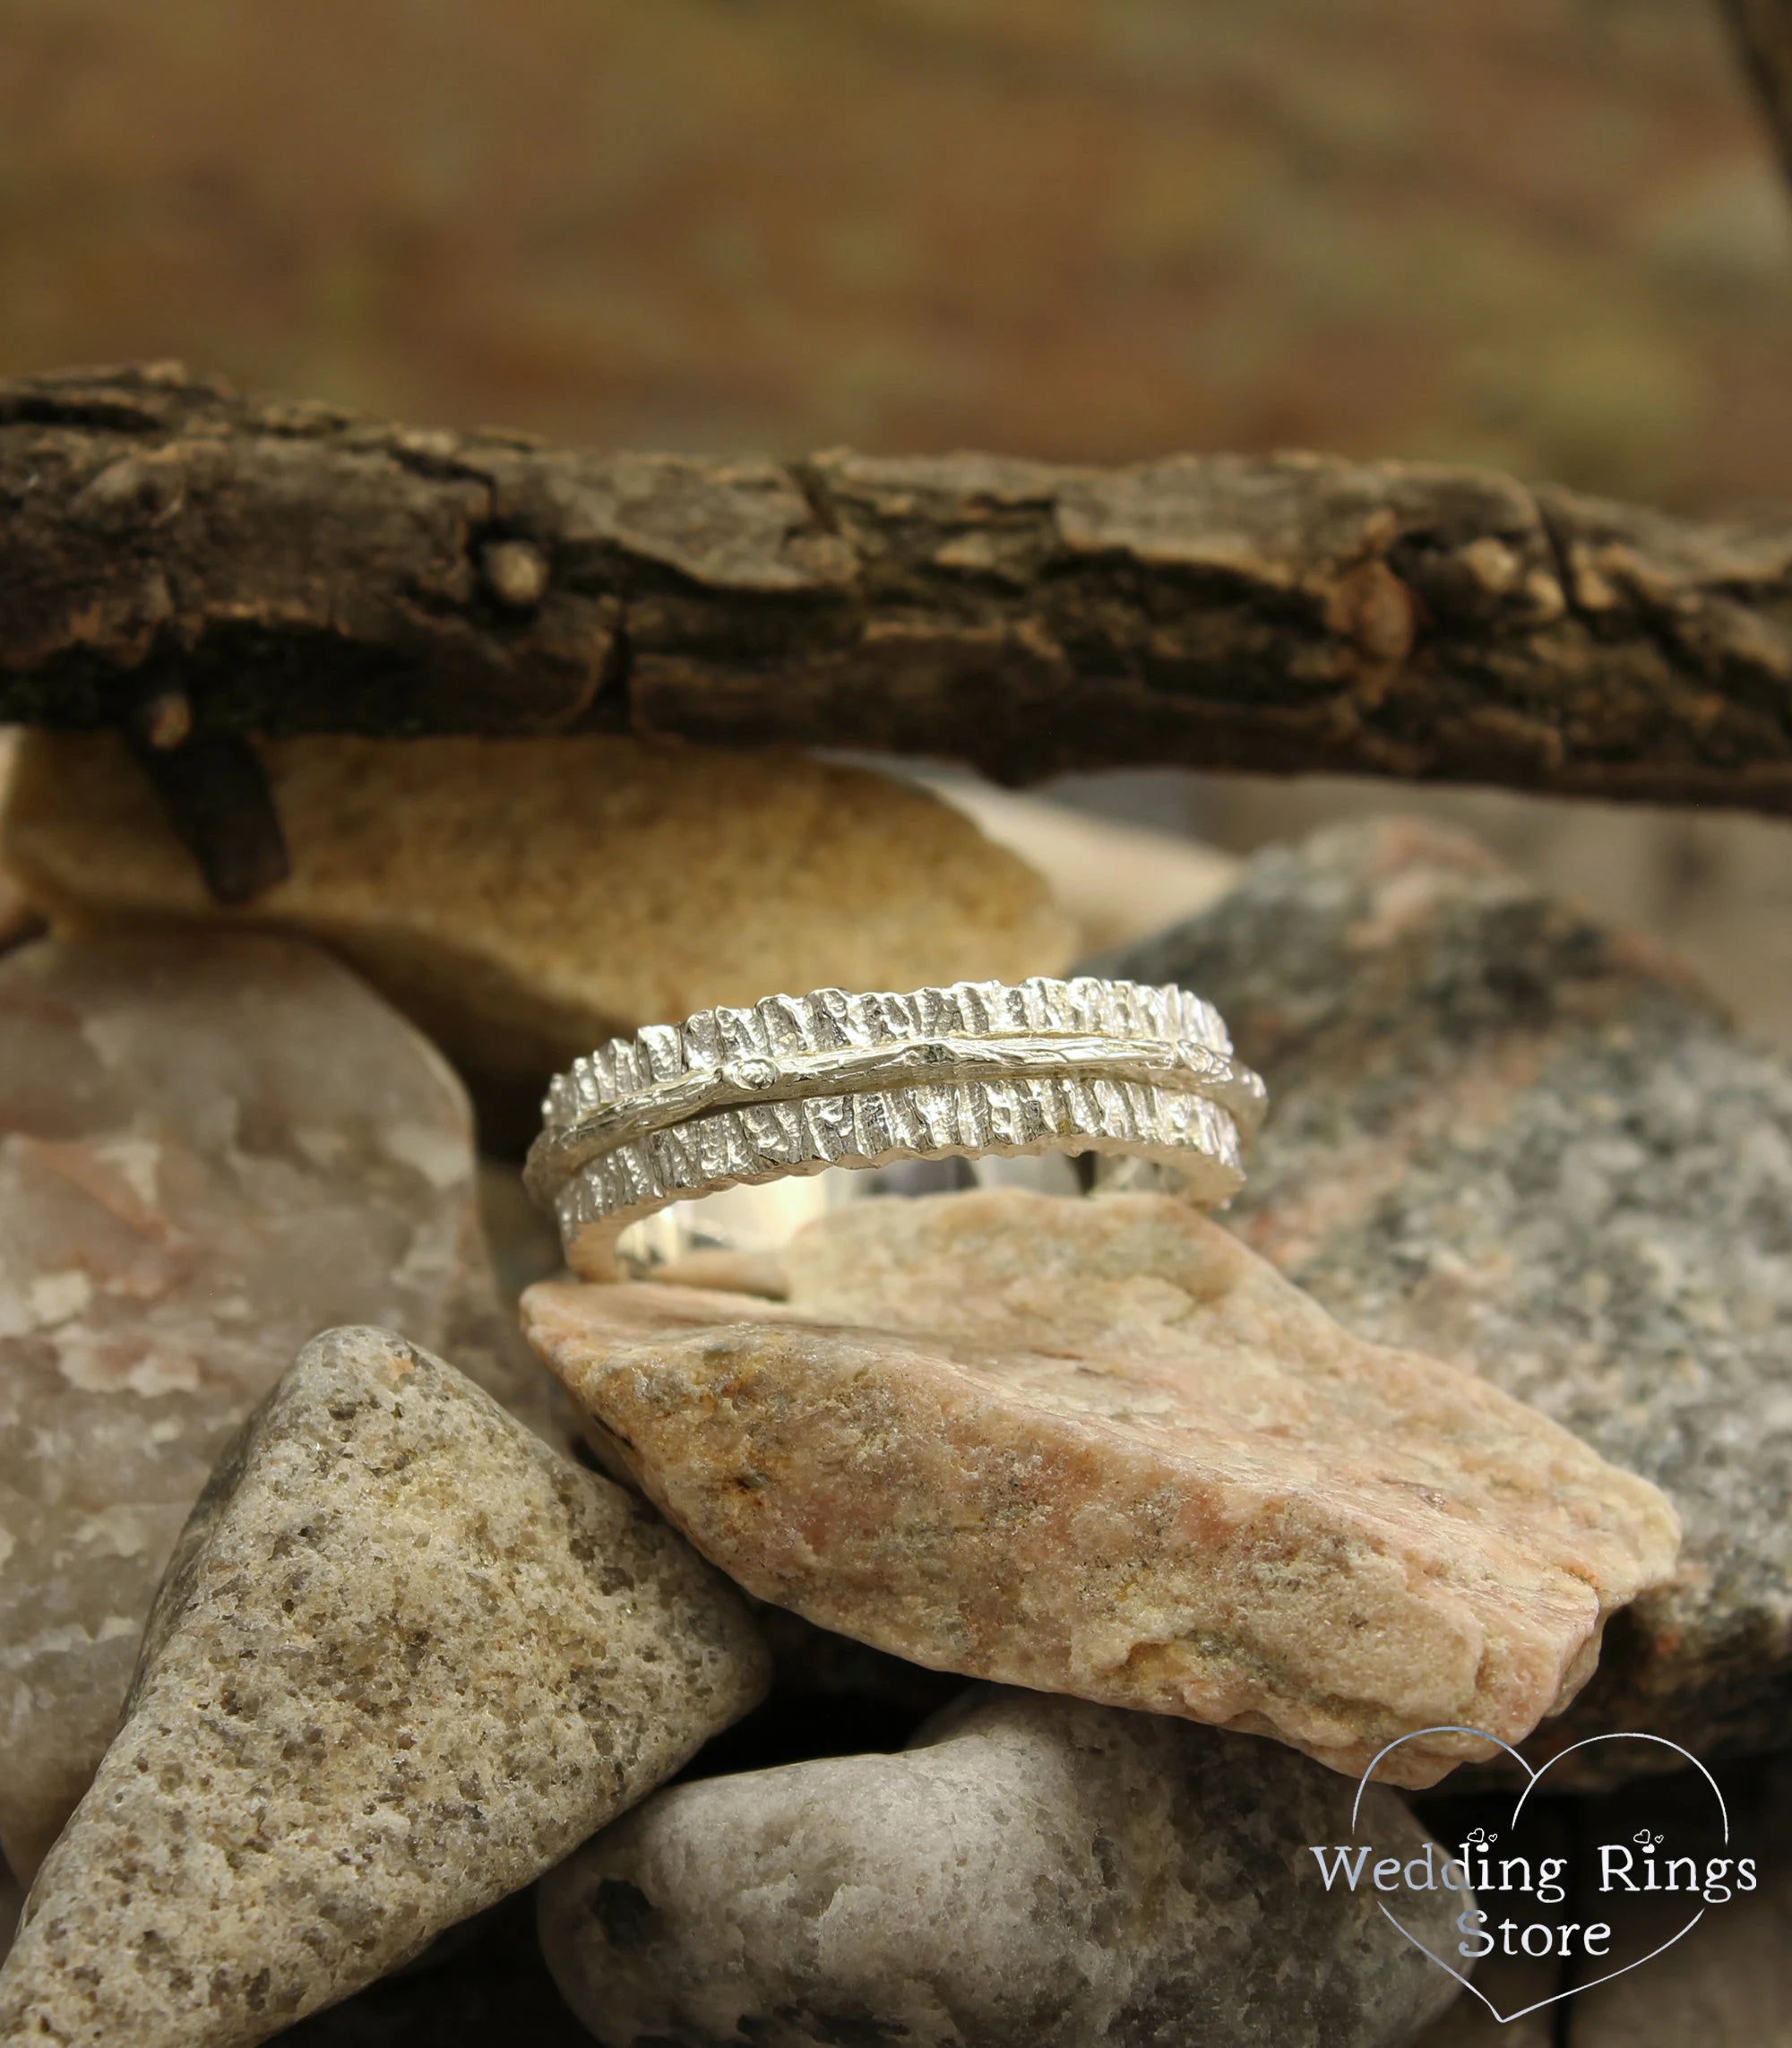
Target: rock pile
{"type": "Point", "coordinates": [1508, 1136]}
{"type": "Point", "coordinates": [1030, 1873]}
{"type": "Point", "coordinates": [1400, 1453]}
{"type": "Point", "coordinates": [211, 1146]}
{"type": "Point", "coordinates": [523, 900]}
{"type": "Point", "coordinates": [405, 1658]}
{"type": "Point", "coordinates": [1098, 1448]}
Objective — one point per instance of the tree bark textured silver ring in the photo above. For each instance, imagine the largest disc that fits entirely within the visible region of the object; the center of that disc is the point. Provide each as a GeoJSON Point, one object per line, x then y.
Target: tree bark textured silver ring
{"type": "Point", "coordinates": [796, 1085]}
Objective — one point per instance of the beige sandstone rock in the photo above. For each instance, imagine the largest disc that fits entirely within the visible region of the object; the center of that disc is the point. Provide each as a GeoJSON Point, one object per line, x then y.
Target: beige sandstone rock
{"type": "Point", "coordinates": [524, 900]}
{"type": "Point", "coordinates": [211, 1146]}
{"type": "Point", "coordinates": [1100, 1448]}
{"type": "Point", "coordinates": [1118, 883]}
{"type": "Point", "coordinates": [405, 1658]}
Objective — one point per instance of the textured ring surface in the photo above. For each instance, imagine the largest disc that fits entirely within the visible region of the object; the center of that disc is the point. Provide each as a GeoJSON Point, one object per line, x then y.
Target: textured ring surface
{"type": "Point", "coordinates": [798, 1084]}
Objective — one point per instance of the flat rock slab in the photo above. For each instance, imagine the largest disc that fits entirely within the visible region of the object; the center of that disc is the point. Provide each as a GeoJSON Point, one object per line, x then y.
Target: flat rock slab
{"type": "Point", "coordinates": [1100, 1447]}
{"type": "Point", "coordinates": [1030, 1873]}
{"type": "Point", "coordinates": [406, 1657]}
{"type": "Point", "coordinates": [212, 1146]}
{"type": "Point", "coordinates": [1509, 1135]}
{"type": "Point", "coordinates": [523, 899]}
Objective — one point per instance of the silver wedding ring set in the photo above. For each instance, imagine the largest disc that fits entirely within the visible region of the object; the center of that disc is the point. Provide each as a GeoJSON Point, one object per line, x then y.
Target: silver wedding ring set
{"type": "Point", "coordinates": [774, 1097]}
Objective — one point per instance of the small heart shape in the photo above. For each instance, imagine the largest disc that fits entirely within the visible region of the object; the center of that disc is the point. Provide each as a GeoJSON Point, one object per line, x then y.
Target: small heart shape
{"type": "Point", "coordinates": [1533, 1779]}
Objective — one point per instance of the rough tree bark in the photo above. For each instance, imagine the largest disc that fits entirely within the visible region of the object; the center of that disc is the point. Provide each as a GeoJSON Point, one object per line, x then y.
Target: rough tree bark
{"type": "Point", "coordinates": [277, 567]}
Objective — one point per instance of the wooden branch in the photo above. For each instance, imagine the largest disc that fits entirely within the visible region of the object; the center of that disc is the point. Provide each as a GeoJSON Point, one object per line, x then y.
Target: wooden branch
{"type": "Point", "coordinates": [1762, 32]}
{"type": "Point", "coordinates": [215, 794]}
{"type": "Point", "coordinates": [284, 567]}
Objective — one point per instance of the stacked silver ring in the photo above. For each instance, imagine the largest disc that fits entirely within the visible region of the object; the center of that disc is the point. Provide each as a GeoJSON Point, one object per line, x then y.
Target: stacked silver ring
{"type": "Point", "coordinates": [797, 1084]}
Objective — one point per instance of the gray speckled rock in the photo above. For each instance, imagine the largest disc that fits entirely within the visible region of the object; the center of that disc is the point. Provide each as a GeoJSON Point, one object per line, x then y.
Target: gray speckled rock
{"type": "Point", "coordinates": [1730, 1982]}
{"type": "Point", "coordinates": [1033, 1871]}
{"type": "Point", "coordinates": [212, 1146]}
{"type": "Point", "coordinates": [405, 1657]}
{"type": "Point", "coordinates": [1724, 1983]}
{"type": "Point", "coordinates": [1504, 1134]}
{"type": "Point", "coordinates": [1730, 1979]}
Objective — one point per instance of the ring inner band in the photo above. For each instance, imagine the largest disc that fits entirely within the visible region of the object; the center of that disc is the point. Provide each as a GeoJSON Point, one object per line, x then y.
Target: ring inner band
{"type": "Point", "coordinates": [733, 1238]}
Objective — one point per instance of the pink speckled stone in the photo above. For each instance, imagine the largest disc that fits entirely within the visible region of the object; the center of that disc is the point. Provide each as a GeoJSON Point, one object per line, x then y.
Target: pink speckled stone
{"type": "Point", "coordinates": [1100, 1448]}
{"type": "Point", "coordinates": [211, 1146]}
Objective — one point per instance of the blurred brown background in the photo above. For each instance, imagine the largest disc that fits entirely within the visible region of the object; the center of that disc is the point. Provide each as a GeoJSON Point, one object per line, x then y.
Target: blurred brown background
{"type": "Point", "coordinates": [1543, 234]}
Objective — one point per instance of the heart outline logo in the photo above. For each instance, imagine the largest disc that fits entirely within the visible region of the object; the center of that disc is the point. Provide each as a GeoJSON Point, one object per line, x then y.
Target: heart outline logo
{"type": "Point", "coordinates": [1532, 1778]}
